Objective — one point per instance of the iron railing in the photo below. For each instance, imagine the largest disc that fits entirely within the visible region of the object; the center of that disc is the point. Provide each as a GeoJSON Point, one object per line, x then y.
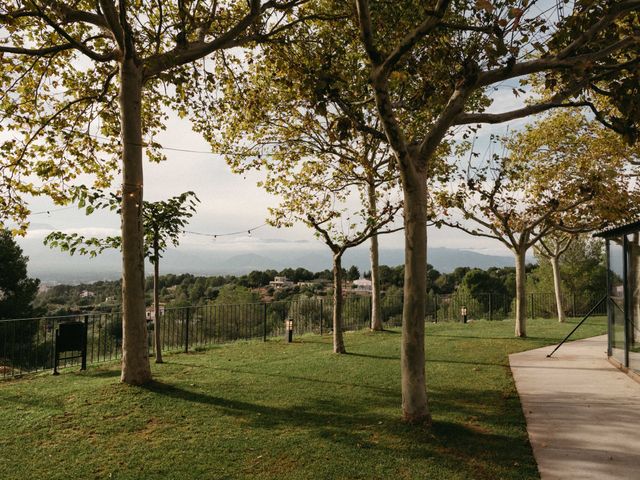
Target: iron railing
{"type": "Point", "coordinates": [27, 345]}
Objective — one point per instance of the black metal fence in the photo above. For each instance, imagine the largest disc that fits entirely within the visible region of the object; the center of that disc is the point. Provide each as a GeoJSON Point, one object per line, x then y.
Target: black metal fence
{"type": "Point", "coordinates": [491, 306]}
{"type": "Point", "coordinates": [27, 345]}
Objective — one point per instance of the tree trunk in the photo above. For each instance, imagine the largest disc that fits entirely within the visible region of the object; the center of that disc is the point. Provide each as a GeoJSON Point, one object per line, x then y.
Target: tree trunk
{"type": "Point", "coordinates": [414, 392]}
{"type": "Point", "coordinates": [156, 305]}
{"type": "Point", "coordinates": [376, 310]}
{"type": "Point", "coordinates": [521, 297]}
{"type": "Point", "coordinates": [557, 286]}
{"type": "Point", "coordinates": [338, 339]}
{"type": "Point", "coordinates": [135, 357]}
{"type": "Point", "coordinates": [376, 313]}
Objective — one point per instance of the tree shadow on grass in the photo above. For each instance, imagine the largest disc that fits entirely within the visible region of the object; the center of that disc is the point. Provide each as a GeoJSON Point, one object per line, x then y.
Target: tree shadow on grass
{"type": "Point", "coordinates": [474, 337]}
{"type": "Point", "coordinates": [386, 331]}
{"type": "Point", "coordinates": [298, 378]}
{"type": "Point", "coordinates": [461, 362]}
{"type": "Point", "coordinates": [379, 357]}
{"type": "Point", "coordinates": [102, 373]}
{"type": "Point", "coordinates": [34, 401]}
{"type": "Point", "coordinates": [358, 425]}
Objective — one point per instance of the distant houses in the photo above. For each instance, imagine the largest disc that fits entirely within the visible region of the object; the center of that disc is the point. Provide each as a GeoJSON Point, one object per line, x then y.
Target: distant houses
{"type": "Point", "coordinates": [281, 282]}
{"type": "Point", "coordinates": [362, 286]}
{"type": "Point", "coordinates": [150, 313]}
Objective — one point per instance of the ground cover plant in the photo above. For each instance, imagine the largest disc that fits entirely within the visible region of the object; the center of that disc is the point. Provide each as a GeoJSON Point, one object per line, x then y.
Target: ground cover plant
{"type": "Point", "coordinates": [276, 410]}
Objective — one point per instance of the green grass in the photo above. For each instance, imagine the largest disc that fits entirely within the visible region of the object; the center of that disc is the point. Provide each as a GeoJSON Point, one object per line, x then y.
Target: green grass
{"type": "Point", "coordinates": [272, 411]}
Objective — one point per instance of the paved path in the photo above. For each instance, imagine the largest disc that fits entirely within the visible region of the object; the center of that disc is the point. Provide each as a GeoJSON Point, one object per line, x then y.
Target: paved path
{"type": "Point", "coordinates": [583, 414]}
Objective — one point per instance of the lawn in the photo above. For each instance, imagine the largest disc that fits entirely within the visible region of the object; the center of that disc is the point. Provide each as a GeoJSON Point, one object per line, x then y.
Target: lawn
{"type": "Point", "coordinates": [275, 410]}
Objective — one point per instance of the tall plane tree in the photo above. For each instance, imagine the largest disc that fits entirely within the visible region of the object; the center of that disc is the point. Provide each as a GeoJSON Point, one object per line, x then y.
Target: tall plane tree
{"type": "Point", "coordinates": [553, 178]}
{"type": "Point", "coordinates": [573, 138]}
{"type": "Point", "coordinates": [83, 82]}
{"type": "Point", "coordinates": [552, 247]}
{"type": "Point", "coordinates": [320, 192]}
{"type": "Point", "coordinates": [287, 101]}
{"type": "Point", "coordinates": [443, 56]}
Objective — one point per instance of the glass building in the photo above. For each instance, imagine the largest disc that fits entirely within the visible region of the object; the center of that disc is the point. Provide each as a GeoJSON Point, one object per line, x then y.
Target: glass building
{"type": "Point", "coordinates": [623, 290]}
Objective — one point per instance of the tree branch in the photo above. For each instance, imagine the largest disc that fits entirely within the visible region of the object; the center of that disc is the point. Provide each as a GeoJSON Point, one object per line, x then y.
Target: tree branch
{"type": "Point", "coordinates": [181, 55]}
{"type": "Point", "coordinates": [73, 15]}
{"type": "Point", "coordinates": [111, 17]}
{"type": "Point", "coordinates": [78, 45]}
{"type": "Point", "coordinates": [366, 31]}
{"type": "Point", "coordinates": [490, 77]}
{"type": "Point", "coordinates": [413, 37]}
{"type": "Point", "coordinates": [37, 52]}
{"type": "Point", "coordinates": [466, 118]}
{"type": "Point", "coordinates": [475, 233]}
{"type": "Point", "coordinates": [614, 12]}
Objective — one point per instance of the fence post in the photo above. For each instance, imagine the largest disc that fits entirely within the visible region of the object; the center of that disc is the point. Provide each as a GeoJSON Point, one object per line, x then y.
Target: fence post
{"type": "Point", "coordinates": [264, 323]}
{"type": "Point", "coordinates": [186, 336]}
{"type": "Point", "coordinates": [574, 304]}
{"type": "Point", "coordinates": [321, 315]}
{"type": "Point", "coordinates": [83, 364]}
{"type": "Point", "coordinates": [532, 308]}
{"type": "Point", "coordinates": [490, 307]}
{"type": "Point", "coordinates": [435, 301]}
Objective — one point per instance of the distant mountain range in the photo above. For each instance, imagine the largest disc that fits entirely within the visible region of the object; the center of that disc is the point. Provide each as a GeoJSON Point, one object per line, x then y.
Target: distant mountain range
{"type": "Point", "coordinates": [443, 259]}
{"type": "Point", "coordinates": [53, 267]}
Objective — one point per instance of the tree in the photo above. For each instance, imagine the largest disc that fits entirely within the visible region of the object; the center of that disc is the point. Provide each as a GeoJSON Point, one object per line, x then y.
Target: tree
{"type": "Point", "coordinates": [277, 104]}
{"type": "Point", "coordinates": [480, 282]}
{"type": "Point", "coordinates": [164, 222]}
{"type": "Point", "coordinates": [353, 273]}
{"type": "Point", "coordinates": [258, 278]}
{"type": "Point", "coordinates": [430, 64]}
{"type": "Point", "coordinates": [581, 269]}
{"type": "Point", "coordinates": [235, 295]}
{"type": "Point", "coordinates": [308, 161]}
{"type": "Point", "coordinates": [554, 178]}
{"type": "Point", "coordinates": [84, 82]}
{"type": "Point", "coordinates": [574, 138]}
{"type": "Point", "coordinates": [316, 196]}
{"type": "Point", "coordinates": [17, 290]}
{"type": "Point", "coordinates": [551, 247]}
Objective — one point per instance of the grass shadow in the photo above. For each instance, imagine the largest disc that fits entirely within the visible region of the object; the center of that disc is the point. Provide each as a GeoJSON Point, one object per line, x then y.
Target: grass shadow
{"type": "Point", "coordinates": [356, 425]}
{"type": "Point", "coordinates": [380, 357]}
{"type": "Point", "coordinates": [100, 373]}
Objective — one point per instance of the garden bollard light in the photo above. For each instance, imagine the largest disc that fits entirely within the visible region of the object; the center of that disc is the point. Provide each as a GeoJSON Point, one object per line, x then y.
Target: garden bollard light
{"type": "Point", "coordinates": [289, 328]}
{"type": "Point", "coordinates": [463, 312]}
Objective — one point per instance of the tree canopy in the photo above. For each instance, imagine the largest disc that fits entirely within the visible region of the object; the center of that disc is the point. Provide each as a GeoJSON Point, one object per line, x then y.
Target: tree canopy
{"type": "Point", "coordinates": [563, 173]}
{"type": "Point", "coordinates": [84, 82]}
{"type": "Point", "coordinates": [17, 290]}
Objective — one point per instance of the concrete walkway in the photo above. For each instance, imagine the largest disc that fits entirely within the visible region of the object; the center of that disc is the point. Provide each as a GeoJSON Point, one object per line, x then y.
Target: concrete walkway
{"type": "Point", "coordinates": [583, 414]}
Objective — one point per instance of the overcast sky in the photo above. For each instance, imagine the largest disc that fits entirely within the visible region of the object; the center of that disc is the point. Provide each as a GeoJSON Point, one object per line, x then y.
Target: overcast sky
{"type": "Point", "coordinates": [232, 203]}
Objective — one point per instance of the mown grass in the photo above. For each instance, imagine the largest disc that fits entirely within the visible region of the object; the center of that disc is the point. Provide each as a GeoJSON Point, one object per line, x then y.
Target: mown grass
{"type": "Point", "coordinates": [272, 411]}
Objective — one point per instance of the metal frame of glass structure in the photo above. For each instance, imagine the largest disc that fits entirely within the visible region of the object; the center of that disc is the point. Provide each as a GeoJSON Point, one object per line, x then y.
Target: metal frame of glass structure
{"type": "Point", "coordinates": [623, 295]}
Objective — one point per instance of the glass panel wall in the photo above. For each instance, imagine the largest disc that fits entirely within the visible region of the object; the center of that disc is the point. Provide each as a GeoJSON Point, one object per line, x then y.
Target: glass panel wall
{"type": "Point", "coordinates": [633, 290]}
{"type": "Point", "coordinates": [616, 298]}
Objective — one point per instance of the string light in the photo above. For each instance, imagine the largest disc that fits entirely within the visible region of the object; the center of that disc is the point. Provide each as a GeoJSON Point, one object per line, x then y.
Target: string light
{"type": "Point", "coordinates": [174, 149]}
{"type": "Point", "coordinates": [185, 232]}
{"type": "Point", "coordinates": [216, 235]}
{"type": "Point", "coordinates": [48, 212]}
